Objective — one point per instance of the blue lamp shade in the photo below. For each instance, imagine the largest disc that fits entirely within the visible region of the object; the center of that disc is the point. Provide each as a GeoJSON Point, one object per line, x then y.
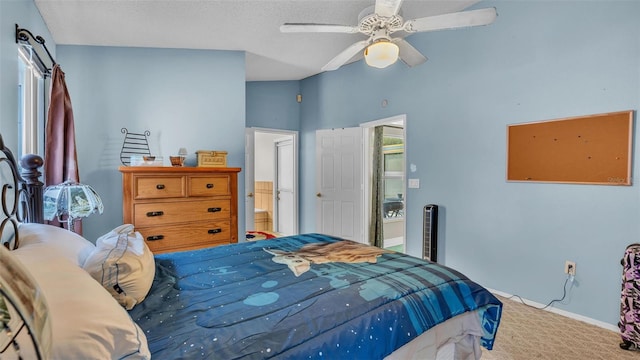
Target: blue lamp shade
{"type": "Point", "coordinates": [71, 200]}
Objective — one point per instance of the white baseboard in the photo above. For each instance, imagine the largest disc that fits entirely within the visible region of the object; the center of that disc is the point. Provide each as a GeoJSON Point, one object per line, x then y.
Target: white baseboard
{"type": "Point", "coordinates": [568, 314]}
{"type": "Point", "coordinates": [393, 241]}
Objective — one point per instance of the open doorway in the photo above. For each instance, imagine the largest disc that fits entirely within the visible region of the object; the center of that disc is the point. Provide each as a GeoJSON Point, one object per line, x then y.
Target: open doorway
{"type": "Point", "coordinates": [392, 176]}
{"type": "Point", "coordinates": [271, 182]}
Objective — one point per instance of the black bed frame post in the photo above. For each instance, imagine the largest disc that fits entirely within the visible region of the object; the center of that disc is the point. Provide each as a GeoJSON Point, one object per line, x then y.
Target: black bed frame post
{"type": "Point", "coordinates": [33, 186]}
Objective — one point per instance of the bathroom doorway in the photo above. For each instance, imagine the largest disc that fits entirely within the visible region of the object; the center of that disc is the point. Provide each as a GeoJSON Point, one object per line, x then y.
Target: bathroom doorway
{"type": "Point", "coordinates": [271, 181]}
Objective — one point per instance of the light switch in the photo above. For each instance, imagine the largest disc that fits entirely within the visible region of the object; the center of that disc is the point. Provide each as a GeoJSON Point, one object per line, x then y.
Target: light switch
{"type": "Point", "coordinates": [414, 183]}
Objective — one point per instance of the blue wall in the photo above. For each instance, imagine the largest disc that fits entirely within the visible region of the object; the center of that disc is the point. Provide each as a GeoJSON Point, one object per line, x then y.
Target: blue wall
{"type": "Point", "coordinates": [538, 61]}
{"type": "Point", "coordinates": [185, 98]}
{"type": "Point", "coordinates": [273, 105]}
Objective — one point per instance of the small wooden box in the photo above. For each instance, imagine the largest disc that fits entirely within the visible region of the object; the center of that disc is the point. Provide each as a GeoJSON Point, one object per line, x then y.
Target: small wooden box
{"type": "Point", "coordinates": [207, 158]}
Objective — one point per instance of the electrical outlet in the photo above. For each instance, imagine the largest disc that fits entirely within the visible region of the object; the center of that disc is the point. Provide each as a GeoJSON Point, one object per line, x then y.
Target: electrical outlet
{"type": "Point", "coordinates": [570, 267]}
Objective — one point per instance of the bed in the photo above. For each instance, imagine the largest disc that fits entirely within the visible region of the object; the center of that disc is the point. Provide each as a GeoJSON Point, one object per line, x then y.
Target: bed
{"type": "Point", "coordinates": [308, 296]}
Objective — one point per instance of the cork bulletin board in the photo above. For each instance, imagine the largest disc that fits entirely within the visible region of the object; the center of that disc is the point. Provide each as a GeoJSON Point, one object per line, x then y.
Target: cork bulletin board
{"type": "Point", "coordinates": [592, 149]}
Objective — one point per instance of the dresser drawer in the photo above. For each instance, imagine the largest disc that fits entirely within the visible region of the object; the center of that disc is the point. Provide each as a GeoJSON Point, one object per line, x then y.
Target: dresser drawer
{"type": "Point", "coordinates": [156, 187]}
{"type": "Point", "coordinates": [209, 185]}
{"type": "Point", "coordinates": [159, 213]}
{"type": "Point", "coordinates": [184, 237]}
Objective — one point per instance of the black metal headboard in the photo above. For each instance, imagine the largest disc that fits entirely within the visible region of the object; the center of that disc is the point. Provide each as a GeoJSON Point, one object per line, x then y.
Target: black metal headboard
{"type": "Point", "coordinates": [32, 188]}
{"type": "Point", "coordinates": [20, 195]}
{"type": "Point", "coordinates": [25, 327]}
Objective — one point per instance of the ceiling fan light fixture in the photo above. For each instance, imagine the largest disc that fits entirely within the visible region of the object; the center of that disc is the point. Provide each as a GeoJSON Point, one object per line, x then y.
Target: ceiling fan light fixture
{"type": "Point", "coordinates": [381, 54]}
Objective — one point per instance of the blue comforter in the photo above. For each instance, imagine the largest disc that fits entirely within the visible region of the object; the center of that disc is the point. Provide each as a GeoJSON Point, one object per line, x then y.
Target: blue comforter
{"type": "Point", "coordinates": [236, 301]}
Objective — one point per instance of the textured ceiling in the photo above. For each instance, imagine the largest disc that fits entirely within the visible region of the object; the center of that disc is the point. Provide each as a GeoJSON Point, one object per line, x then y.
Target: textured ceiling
{"type": "Point", "coordinates": [250, 26]}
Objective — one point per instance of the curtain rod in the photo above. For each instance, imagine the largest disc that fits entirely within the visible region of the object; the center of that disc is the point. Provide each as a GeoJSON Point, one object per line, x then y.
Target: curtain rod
{"type": "Point", "coordinates": [24, 36]}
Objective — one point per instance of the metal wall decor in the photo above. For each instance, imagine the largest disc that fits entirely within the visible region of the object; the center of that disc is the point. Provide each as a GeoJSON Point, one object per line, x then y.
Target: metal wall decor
{"type": "Point", "coordinates": [134, 144]}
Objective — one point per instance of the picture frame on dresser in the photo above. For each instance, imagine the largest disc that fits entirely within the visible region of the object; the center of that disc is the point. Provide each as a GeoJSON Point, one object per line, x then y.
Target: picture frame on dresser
{"type": "Point", "coordinates": [181, 208]}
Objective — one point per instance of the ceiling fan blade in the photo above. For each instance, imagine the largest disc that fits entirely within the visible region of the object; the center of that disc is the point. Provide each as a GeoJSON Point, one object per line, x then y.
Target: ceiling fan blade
{"type": "Point", "coordinates": [345, 55]}
{"type": "Point", "coordinates": [409, 54]}
{"type": "Point", "coordinates": [321, 28]}
{"type": "Point", "coordinates": [452, 21]}
{"type": "Point", "coordinates": [387, 8]}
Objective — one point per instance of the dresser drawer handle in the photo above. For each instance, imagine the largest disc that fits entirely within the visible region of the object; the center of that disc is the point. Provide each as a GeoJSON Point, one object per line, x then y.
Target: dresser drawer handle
{"type": "Point", "coordinates": [155, 237]}
{"type": "Point", "coordinates": [215, 231]}
{"type": "Point", "coordinates": [160, 186]}
{"type": "Point", "coordinates": [216, 209]}
{"type": "Point", "coordinates": [155, 213]}
{"type": "Point", "coordinates": [209, 186]}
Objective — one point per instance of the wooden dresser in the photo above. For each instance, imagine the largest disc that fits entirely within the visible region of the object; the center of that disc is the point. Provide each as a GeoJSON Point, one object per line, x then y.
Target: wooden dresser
{"type": "Point", "coordinates": [181, 208]}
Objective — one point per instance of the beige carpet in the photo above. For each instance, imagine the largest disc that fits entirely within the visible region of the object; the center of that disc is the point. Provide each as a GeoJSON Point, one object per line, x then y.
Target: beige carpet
{"type": "Point", "coordinates": [528, 333]}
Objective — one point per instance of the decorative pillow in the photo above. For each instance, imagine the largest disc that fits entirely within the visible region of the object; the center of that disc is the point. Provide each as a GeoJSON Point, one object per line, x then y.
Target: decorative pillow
{"type": "Point", "coordinates": [55, 239]}
{"type": "Point", "coordinates": [86, 322]}
{"type": "Point", "coordinates": [123, 264]}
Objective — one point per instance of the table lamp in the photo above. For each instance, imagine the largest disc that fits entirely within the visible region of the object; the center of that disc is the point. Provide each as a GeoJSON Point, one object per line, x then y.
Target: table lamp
{"type": "Point", "coordinates": [70, 199]}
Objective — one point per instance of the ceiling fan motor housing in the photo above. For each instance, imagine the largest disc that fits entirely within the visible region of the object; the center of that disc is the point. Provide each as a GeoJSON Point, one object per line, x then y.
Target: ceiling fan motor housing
{"type": "Point", "coordinates": [380, 35]}
{"type": "Point", "coordinates": [372, 23]}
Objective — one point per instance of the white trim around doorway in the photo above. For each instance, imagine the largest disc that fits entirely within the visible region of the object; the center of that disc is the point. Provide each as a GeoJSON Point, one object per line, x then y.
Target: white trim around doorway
{"type": "Point", "coordinates": [366, 127]}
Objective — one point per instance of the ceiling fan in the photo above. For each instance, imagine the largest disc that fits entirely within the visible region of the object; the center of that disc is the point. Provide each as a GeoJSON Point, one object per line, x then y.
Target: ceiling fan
{"type": "Point", "coordinates": [383, 19]}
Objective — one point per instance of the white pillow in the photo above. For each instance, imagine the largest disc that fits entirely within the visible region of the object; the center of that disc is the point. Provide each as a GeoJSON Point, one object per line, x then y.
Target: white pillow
{"type": "Point", "coordinates": [123, 264]}
{"type": "Point", "coordinates": [86, 322]}
{"type": "Point", "coordinates": [52, 238]}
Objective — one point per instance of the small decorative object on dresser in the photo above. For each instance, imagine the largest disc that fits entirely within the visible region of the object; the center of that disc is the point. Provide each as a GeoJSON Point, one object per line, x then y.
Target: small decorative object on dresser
{"type": "Point", "coordinates": [208, 158]}
{"type": "Point", "coordinates": [180, 158]}
{"type": "Point", "coordinates": [176, 160]}
{"type": "Point", "coordinates": [181, 208]}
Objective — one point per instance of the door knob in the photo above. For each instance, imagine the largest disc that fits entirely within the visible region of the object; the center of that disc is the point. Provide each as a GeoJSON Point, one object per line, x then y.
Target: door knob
{"type": "Point", "coordinates": [250, 195]}
{"type": "Point", "coordinates": [319, 195]}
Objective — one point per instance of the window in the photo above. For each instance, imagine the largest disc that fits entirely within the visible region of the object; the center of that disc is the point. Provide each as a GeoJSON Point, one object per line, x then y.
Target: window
{"type": "Point", "coordinates": [31, 101]}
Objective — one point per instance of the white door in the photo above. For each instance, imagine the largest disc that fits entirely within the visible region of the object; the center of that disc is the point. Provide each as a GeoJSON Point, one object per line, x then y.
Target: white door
{"type": "Point", "coordinates": [249, 181]}
{"type": "Point", "coordinates": [284, 188]}
{"type": "Point", "coordinates": [339, 165]}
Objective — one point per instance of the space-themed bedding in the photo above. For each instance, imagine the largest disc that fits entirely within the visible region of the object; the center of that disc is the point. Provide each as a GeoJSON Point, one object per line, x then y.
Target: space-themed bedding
{"type": "Point", "coordinates": [301, 297]}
